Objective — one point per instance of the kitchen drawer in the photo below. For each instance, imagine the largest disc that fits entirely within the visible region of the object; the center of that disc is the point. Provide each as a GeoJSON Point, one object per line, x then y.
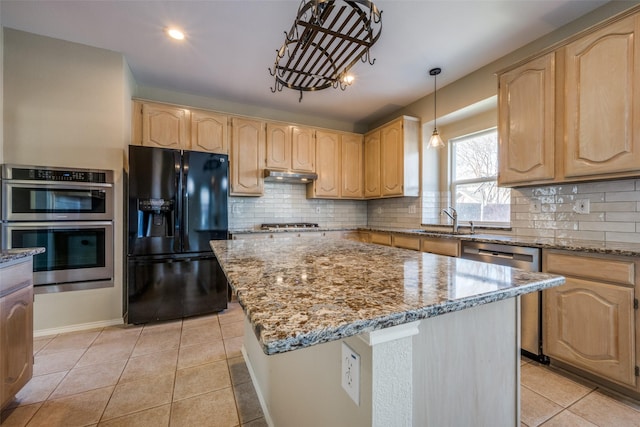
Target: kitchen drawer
{"type": "Point", "coordinates": [435, 245]}
{"type": "Point", "coordinates": [598, 268]}
{"type": "Point", "coordinates": [380, 238]}
{"type": "Point", "coordinates": [406, 242]}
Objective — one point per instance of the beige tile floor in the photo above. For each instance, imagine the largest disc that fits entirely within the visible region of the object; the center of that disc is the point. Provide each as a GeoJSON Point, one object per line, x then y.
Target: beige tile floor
{"type": "Point", "coordinates": [191, 373]}
{"type": "Point", "coordinates": [181, 373]}
{"type": "Point", "coordinates": [551, 398]}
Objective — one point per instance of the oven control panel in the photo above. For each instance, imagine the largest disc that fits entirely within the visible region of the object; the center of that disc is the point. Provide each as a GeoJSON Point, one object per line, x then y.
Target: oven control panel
{"type": "Point", "coordinates": [28, 173]}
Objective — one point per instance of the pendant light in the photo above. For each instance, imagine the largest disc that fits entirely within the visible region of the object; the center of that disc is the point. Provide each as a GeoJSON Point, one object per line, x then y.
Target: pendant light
{"type": "Point", "coordinates": [435, 141]}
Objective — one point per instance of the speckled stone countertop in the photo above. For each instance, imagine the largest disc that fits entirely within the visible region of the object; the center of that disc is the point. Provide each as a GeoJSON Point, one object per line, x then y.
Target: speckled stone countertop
{"type": "Point", "coordinates": [589, 246]}
{"type": "Point", "coordinates": [13, 254]}
{"type": "Point", "coordinates": [297, 293]}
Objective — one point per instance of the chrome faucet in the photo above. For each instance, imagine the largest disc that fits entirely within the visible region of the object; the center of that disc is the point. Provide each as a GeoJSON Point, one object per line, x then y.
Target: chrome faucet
{"type": "Point", "coordinates": [454, 217]}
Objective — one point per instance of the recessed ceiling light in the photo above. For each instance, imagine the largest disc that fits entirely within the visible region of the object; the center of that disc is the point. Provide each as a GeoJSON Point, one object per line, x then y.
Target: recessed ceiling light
{"type": "Point", "coordinates": [174, 33]}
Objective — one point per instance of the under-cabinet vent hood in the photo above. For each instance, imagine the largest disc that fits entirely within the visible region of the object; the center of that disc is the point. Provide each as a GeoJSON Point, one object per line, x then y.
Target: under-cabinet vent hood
{"type": "Point", "coordinates": [271, 175]}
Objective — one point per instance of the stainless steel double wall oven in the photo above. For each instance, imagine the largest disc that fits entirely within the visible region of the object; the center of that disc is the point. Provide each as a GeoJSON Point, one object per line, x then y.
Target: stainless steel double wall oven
{"type": "Point", "coordinates": [67, 211]}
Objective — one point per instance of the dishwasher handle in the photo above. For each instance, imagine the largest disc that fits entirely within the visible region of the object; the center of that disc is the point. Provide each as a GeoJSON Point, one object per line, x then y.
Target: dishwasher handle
{"type": "Point", "coordinates": [495, 254]}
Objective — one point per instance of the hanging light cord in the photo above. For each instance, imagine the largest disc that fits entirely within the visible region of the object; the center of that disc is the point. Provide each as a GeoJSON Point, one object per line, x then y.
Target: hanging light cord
{"type": "Point", "coordinates": [434, 72]}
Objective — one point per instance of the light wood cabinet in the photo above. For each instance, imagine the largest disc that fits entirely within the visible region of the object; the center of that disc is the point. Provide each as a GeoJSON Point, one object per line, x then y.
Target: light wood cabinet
{"type": "Point", "coordinates": [247, 157]}
{"type": "Point", "coordinates": [602, 106]}
{"type": "Point", "coordinates": [441, 246]}
{"type": "Point", "coordinates": [333, 234]}
{"type": "Point", "coordinates": [526, 98]}
{"type": "Point", "coordinates": [303, 149]}
{"type": "Point", "coordinates": [327, 166]}
{"type": "Point", "coordinates": [406, 242]}
{"type": "Point", "coordinates": [352, 162]}
{"type": "Point", "coordinates": [590, 321]}
{"type": "Point", "coordinates": [172, 126]}
{"type": "Point", "coordinates": [16, 327]}
{"type": "Point", "coordinates": [164, 126]}
{"type": "Point", "coordinates": [395, 169]}
{"type": "Point", "coordinates": [278, 148]}
{"type": "Point", "coordinates": [209, 132]}
{"type": "Point", "coordinates": [290, 148]}
{"type": "Point", "coordinates": [380, 238]}
{"type": "Point", "coordinates": [372, 165]}
{"type": "Point", "coordinates": [573, 114]}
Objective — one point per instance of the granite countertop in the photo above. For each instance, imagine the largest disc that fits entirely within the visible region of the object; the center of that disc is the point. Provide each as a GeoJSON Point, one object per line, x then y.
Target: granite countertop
{"type": "Point", "coordinates": [588, 246]}
{"type": "Point", "coordinates": [13, 254]}
{"type": "Point", "coordinates": [297, 293]}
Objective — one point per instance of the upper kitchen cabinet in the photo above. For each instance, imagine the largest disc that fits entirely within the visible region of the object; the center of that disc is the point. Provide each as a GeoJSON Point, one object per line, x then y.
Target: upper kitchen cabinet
{"type": "Point", "coordinates": [352, 162]}
{"type": "Point", "coordinates": [209, 132]}
{"type": "Point", "coordinates": [573, 114]}
{"type": "Point", "coordinates": [290, 148]}
{"type": "Point", "coordinates": [526, 98]}
{"type": "Point", "coordinates": [247, 157]}
{"type": "Point", "coordinates": [172, 126]}
{"type": "Point", "coordinates": [602, 105]}
{"type": "Point", "coordinates": [303, 149]}
{"type": "Point", "coordinates": [327, 166]}
{"type": "Point", "coordinates": [160, 125]}
{"type": "Point", "coordinates": [372, 165]}
{"type": "Point", "coordinates": [395, 169]}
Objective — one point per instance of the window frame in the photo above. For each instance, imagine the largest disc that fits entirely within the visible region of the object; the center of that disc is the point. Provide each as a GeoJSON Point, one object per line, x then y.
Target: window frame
{"type": "Point", "coordinates": [453, 183]}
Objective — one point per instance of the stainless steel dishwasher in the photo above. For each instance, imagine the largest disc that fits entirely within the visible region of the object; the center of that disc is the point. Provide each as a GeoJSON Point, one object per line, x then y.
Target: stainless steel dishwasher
{"type": "Point", "coordinates": [531, 304]}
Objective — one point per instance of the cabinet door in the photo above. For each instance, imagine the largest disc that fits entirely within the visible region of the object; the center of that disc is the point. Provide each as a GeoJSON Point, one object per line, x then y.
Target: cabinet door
{"type": "Point", "coordinates": [391, 160]}
{"type": "Point", "coordinates": [527, 122]}
{"type": "Point", "coordinates": [165, 126]}
{"type": "Point", "coordinates": [209, 132]}
{"type": "Point", "coordinates": [327, 165]}
{"type": "Point", "coordinates": [372, 165]}
{"type": "Point", "coordinates": [16, 341]}
{"type": "Point", "coordinates": [352, 167]}
{"type": "Point", "coordinates": [303, 149]}
{"type": "Point", "coordinates": [247, 157]}
{"type": "Point", "coordinates": [602, 107]}
{"type": "Point", "coordinates": [278, 146]}
{"type": "Point", "coordinates": [590, 325]}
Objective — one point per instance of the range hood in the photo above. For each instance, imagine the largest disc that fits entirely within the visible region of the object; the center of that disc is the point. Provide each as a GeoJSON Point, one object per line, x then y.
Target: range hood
{"type": "Point", "coordinates": [271, 175]}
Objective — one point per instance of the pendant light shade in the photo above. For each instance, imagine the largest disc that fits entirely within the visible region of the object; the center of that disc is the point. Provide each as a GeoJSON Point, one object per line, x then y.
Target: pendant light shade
{"type": "Point", "coordinates": [435, 141]}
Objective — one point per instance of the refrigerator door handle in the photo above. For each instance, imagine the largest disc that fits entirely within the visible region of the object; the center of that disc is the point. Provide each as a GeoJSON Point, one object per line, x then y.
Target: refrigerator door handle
{"type": "Point", "coordinates": [186, 247]}
{"type": "Point", "coordinates": [177, 241]}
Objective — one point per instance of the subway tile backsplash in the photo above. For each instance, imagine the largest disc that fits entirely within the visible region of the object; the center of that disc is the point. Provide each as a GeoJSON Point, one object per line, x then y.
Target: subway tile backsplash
{"type": "Point", "coordinates": [614, 211]}
{"type": "Point", "coordinates": [548, 211]}
{"type": "Point", "coordinates": [288, 203]}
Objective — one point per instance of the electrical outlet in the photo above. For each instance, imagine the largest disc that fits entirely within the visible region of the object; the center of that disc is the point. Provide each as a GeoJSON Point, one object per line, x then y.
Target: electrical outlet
{"type": "Point", "coordinates": [317, 209]}
{"type": "Point", "coordinates": [412, 209]}
{"type": "Point", "coordinates": [582, 206]}
{"type": "Point", "coordinates": [236, 210]}
{"type": "Point", "coordinates": [534, 207]}
{"type": "Point", "coordinates": [379, 211]}
{"type": "Point", "coordinates": [351, 373]}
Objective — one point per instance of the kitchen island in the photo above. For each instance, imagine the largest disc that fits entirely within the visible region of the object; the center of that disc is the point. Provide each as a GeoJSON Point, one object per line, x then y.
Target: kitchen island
{"type": "Point", "coordinates": [437, 338]}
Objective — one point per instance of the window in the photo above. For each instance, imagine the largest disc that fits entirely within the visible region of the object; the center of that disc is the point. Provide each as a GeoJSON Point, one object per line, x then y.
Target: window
{"type": "Point", "coordinates": [474, 186]}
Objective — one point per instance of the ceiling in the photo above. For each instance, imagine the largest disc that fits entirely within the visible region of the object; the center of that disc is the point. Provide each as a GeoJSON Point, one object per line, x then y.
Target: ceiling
{"type": "Point", "coordinates": [230, 45]}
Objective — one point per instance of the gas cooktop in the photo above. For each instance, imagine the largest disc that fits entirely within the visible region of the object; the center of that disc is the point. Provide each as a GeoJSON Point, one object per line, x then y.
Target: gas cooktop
{"type": "Point", "coordinates": [288, 226]}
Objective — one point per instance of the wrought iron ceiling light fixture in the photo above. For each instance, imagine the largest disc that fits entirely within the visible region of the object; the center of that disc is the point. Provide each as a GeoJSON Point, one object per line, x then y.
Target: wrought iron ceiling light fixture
{"type": "Point", "coordinates": [327, 38]}
{"type": "Point", "coordinates": [435, 141]}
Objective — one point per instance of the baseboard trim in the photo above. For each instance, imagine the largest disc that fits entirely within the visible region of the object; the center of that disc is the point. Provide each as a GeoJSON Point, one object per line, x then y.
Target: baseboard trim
{"type": "Point", "coordinates": [78, 327]}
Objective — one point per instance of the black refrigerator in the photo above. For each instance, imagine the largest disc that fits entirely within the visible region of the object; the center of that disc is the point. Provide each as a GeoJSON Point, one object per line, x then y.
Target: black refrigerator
{"type": "Point", "coordinates": [177, 203]}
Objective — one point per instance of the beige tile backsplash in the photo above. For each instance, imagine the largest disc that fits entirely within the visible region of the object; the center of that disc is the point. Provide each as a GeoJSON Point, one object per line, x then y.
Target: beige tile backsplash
{"type": "Point", "coordinates": [614, 210]}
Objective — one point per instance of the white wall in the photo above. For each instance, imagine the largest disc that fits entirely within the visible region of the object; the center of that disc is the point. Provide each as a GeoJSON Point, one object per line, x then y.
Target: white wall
{"type": "Point", "coordinates": [67, 104]}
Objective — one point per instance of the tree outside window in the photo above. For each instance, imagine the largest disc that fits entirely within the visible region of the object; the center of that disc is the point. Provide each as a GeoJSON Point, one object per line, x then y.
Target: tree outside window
{"type": "Point", "coordinates": [474, 186]}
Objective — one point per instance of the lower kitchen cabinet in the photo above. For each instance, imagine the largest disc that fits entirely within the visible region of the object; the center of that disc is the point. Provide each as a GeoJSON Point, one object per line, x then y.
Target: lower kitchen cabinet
{"type": "Point", "coordinates": [380, 238]}
{"type": "Point", "coordinates": [441, 246]}
{"type": "Point", "coordinates": [334, 234]}
{"type": "Point", "coordinates": [590, 322]}
{"type": "Point", "coordinates": [16, 327]}
{"type": "Point", "coordinates": [406, 242]}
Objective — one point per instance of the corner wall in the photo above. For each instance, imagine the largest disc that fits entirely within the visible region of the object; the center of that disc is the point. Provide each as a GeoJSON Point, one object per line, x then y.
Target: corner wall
{"type": "Point", "coordinates": [68, 105]}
